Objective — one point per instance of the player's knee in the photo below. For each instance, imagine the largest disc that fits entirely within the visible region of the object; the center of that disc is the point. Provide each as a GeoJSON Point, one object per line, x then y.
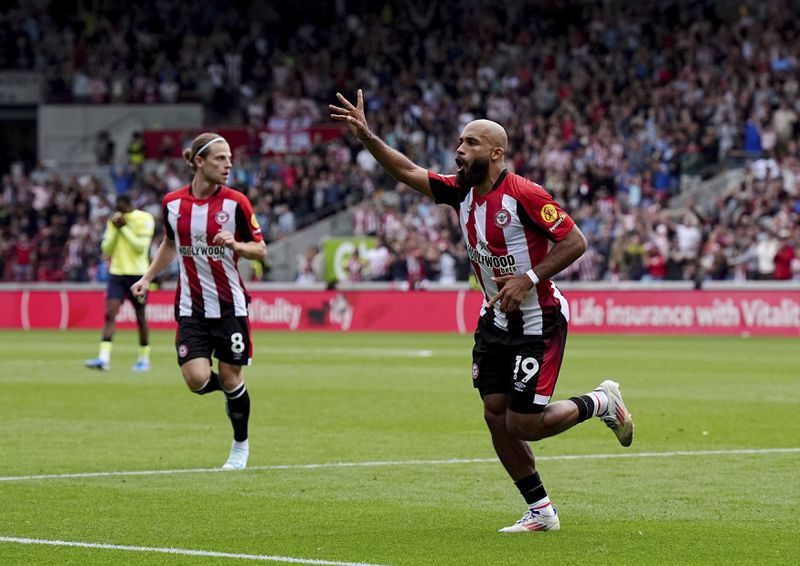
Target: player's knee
{"type": "Point", "coordinates": [495, 419]}
{"type": "Point", "coordinates": [195, 378]}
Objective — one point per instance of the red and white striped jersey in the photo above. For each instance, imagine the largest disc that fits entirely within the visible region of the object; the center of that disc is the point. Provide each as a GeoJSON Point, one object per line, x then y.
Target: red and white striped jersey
{"type": "Point", "coordinates": [507, 232]}
{"type": "Point", "coordinates": [209, 285]}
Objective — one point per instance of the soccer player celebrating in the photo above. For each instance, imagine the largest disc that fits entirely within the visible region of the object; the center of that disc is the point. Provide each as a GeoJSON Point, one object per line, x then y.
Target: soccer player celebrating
{"type": "Point", "coordinates": [126, 242]}
{"type": "Point", "coordinates": [508, 223]}
{"type": "Point", "coordinates": [209, 227]}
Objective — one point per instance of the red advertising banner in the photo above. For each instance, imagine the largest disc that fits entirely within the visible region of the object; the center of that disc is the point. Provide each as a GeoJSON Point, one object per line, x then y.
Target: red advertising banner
{"type": "Point", "coordinates": [767, 313]}
{"type": "Point", "coordinates": [265, 141]}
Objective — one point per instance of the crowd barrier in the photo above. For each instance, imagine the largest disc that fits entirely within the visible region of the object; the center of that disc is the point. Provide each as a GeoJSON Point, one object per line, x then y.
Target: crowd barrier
{"type": "Point", "coordinates": [601, 309]}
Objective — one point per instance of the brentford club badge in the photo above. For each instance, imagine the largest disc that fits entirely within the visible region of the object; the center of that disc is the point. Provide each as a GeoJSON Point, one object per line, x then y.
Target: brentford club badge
{"type": "Point", "coordinates": [502, 218]}
{"type": "Point", "coordinates": [221, 217]}
{"type": "Point", "coordinates": [183, 349]}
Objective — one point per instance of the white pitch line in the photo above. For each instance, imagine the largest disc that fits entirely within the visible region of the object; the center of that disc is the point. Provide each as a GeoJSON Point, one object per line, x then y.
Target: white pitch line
{"type": "Point", "coordinates": [182, 551]}
{"type": "Point", "coordinates": [382, 352]}
{"type": "Point", "coordinates": [378, 463]}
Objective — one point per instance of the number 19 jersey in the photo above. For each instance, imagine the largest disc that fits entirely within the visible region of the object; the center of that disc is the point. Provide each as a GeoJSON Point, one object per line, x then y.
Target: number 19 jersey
{"type": "Point", "coordinates": [508, 232]}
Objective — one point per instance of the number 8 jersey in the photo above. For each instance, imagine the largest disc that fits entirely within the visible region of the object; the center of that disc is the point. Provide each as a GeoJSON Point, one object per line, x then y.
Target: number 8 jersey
{"type": "Point", "coordinates": [209, 285]}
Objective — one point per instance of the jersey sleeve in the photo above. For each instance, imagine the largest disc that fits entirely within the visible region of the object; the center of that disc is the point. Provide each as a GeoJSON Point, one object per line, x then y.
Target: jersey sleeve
{"type": "Point", "coordinates": [544, 213]}
{"type": "Point", "coordinates": [147, 226]}
{"type": "Point", "coordinates": [168, 232]}
{"type": "Point", "coordinates": [109, 239]}
{"type": "Point", "coordinates": [247, 227]}
{"type": "Point", "coordinates": [445, 190]}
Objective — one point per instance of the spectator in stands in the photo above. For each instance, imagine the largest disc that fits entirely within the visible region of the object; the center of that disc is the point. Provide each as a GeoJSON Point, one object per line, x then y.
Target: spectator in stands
{"type": "Point", "coordinates": [379, 260]}
{"type": "Point", "coordinates": [23, 255]}
{"type": "Point", "coordinates": [136, 151]}
{"type": "Point", "coordinates": [354, 267]}
{"type": "Point", "coordinates": [795, 265]}
{"type": "Point", "coordinates": [310, 267]}
{"type": "Point", "coordinates": [655, 264]}
{"type": "Point", "coordinates": [446, 264]}
{"type": "Point", "coordinates": [3, 255]}
{"type": "Point", "coordinates": [784, 257]}
{"type": "Point", "coordinates": [123, 178]}
{"type": "Point", "coordinates": [766, 250]}
{"type": "Point", "coordinates": [104, 148]}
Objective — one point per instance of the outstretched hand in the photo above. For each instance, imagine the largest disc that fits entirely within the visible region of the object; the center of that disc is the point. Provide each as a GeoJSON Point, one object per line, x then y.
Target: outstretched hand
{"type": "Point", "coordinates": [353, 115]}
{"type": "Point", "coordinates": [515, 289]}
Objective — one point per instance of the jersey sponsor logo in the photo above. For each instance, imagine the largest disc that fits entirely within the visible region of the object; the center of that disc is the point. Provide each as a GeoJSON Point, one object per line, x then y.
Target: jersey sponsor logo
{"type": "Point", "coordinates": [200, 247]}
{"type": "Point", "coordinates": [549, 213]}
{"type": "Point", "coordinates": [502, 218]}
{"type": "Point", "coordinates": [221, 217]}
{"type": "Point", "coordinates": [558, 223]}
{"type": "Point", "coordinates": [254, 224]}
{"type": "Point", "coordinates": [214, 252]}
{"type": "Point", "coordinates": [505, 263]}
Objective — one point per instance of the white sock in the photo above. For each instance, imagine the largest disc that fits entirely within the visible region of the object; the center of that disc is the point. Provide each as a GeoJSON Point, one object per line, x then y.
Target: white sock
{"type": "Point", "coordinates": [543, 507]}
{"type": "Point", "coordinates": [600, 402]}
{"type": "Point", "coordinates": [243, 445]}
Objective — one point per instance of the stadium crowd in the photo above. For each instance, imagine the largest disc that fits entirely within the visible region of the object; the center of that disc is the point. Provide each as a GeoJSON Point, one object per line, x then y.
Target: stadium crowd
{"type": "Point", "coordinates": [613, 110]}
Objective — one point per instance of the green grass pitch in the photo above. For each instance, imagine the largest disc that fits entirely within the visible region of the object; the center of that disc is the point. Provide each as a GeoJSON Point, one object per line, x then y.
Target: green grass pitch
{"type": "Point", "coordinates": [403, 406]}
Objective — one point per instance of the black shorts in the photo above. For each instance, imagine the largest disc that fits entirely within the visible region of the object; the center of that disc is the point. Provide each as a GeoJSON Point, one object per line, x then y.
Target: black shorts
{"type": "Point", "coordinates": [228, 339]}
{"type": "Point", "coordinates": [525, 367]}
{"type": "Point", "coordinates": [119, 287]}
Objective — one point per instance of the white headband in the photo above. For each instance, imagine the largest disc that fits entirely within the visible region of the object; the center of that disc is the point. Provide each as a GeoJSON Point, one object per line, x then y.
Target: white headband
{"type": "Point", "coordinates": [202, 149]}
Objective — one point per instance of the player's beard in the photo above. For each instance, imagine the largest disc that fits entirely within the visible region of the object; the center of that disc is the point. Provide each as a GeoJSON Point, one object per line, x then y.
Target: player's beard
{"type": "Point", "coordinates": [473, 174]}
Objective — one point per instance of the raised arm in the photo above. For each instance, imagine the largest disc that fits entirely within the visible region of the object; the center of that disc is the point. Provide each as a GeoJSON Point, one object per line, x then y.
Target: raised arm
{"type": "Point", "coordinates": [395, 163]}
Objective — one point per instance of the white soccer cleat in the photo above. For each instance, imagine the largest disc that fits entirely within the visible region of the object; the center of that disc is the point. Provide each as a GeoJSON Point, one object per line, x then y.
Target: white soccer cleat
{"type": "Point", "coordinates": [237, 459]}
{"type": "Point", "coordinates": [616, 417]}
{"type": "Point", "coordinates": [534, 521]}
{"type": "Point", "coordinates": [97, 363]}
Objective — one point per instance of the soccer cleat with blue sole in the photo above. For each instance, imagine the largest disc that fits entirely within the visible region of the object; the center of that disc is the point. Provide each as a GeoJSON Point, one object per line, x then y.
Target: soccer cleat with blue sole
{"type": "Point", "coordinates": [97, 363]}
